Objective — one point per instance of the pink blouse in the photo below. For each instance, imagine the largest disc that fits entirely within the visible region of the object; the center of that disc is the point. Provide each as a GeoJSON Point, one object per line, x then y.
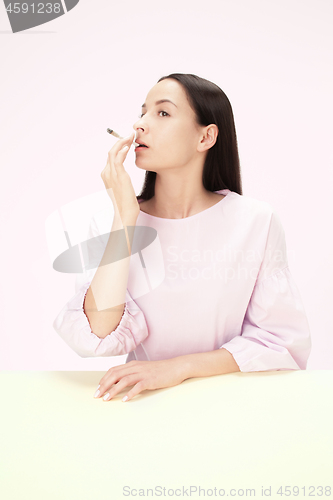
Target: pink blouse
{"type": "Point", "coordinates": [219, 278]}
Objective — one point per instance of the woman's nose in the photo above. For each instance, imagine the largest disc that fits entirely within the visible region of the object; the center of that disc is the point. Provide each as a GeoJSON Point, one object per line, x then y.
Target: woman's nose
{"type": "Point", "coordinates": [139, 124]}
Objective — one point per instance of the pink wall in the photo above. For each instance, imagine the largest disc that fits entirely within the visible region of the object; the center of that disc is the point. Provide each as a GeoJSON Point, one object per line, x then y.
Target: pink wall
{"type": "Point", "coordinates": [65, 82]}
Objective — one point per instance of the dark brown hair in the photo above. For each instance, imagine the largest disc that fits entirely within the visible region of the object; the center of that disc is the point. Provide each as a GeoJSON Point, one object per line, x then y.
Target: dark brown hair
{"type": "Point", "coordinates": [211, 106]}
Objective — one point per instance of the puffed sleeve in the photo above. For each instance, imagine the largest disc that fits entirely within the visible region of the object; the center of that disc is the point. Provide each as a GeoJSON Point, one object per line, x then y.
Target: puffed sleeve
{"type": "Point", "coordinates": [73, 326]}
{"type": "Point", "coordinates": [275, 332]}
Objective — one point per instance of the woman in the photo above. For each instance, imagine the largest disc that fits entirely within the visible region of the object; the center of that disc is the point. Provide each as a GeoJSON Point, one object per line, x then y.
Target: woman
{"type": "Point", "coordinates": [226, 301]}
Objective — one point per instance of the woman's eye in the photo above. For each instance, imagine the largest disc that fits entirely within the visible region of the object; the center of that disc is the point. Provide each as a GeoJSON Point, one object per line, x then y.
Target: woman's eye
{"type": "Point", "coordinates": [164, 114]}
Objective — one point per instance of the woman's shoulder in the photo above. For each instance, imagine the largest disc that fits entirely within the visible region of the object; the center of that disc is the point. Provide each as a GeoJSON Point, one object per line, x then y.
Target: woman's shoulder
{"type": "Point", "coordinates": [249, 204]}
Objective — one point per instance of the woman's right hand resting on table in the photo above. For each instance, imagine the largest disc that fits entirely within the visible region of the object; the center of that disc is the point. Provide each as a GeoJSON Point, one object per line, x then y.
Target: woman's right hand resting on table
{"type": "Point", "coordinates": [118, 182]}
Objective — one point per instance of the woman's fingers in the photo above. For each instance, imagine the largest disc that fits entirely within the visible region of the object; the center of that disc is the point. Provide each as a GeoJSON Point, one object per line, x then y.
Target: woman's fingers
{"type": "Point", "coordinates": [117, 181]}
{"type": "Point", "coordinates": [127, 141]}
{"type": "Point", "coordinates": [119, 160]}
{"type": "Point", "coordinates": [139, 387]}
{"type": "Point", "coordinates": [116, 374]}
{"type": "Point", "coordinates": [142, 375]}
{"type": "Point", "coordinates": [114, 166]}
{"type": "Point", "coordinates": [124, 382]}
{"type": "Point", "coordinates": [117, 155]}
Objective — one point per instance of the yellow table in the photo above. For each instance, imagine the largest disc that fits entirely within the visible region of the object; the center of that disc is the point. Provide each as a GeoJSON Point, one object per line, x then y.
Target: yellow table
{"type": "Point", "coordinates": [224, 434]}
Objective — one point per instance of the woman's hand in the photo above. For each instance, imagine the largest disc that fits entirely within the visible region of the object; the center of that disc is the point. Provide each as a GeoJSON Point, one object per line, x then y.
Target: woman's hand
{"type": "Point", "coordinates": [143, 375]}
{"type": "Point", "coordinates": [118, 182]}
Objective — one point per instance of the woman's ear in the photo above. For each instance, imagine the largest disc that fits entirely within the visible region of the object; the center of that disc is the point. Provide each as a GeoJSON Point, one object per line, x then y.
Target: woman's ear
{"type": "Point", "coordinates": [208, 138]}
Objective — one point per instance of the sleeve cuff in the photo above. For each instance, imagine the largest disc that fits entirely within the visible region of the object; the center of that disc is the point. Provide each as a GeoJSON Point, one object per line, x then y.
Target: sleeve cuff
{"type": "Point", "coordinates": [252, 356]}
{"type": "Point", "coordinates": [73, 327]}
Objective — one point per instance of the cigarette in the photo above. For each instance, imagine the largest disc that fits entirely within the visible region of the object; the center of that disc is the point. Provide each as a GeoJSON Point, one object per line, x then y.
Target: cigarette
{"type": "Point", "coordinates": [112, 132]}
{"type": "Point", "coordinates": [115, 134]}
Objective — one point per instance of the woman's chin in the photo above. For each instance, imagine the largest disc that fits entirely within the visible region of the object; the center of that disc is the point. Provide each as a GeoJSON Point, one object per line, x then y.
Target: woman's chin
{"type": "Point", "coordinates": [142, 167]}
{"type": "Point", "coordinates": [139, 166]}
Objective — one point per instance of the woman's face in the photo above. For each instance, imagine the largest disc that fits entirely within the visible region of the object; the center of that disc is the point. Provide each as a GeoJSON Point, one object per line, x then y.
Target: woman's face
{"type": "Point", "coordinates": [169, 129]}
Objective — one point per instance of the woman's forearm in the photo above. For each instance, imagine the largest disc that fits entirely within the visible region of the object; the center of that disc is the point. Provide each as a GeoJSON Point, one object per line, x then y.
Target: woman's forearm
{"type": "Point", "coordinates": [207, 364]}
{"type": "Point", "coordinates": [104, 303]}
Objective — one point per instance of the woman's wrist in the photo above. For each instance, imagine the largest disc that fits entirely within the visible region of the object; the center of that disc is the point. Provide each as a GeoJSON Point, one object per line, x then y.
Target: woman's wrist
{"type": "Point", "coordinates": [128, 219]}
{"type": "Point", "coordinates": [183, 366]}
{"type": "Point", "coordinates": [206, 364]}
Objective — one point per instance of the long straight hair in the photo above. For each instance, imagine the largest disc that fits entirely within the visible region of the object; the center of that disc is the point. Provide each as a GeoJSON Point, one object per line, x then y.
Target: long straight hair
{"type": "Point", "coordinates": [211, 106]}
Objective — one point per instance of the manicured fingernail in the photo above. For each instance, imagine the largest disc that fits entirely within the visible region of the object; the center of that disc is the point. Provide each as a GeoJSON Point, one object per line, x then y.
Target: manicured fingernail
{"type": "Point", "coordinates": [125, 398]}
{"type": "Point", "coordinates": [106, 396]}
{"type": "Point", "coordinates": [96, 393]}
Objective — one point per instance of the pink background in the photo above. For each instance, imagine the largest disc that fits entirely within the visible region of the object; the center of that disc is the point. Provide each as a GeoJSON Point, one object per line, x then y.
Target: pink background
{"type": "Point", "coordinates": [65, 82]}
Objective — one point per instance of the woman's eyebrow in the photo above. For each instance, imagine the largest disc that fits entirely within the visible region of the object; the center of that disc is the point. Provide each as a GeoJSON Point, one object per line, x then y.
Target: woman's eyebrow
{"type": "Point", "coordinates": [160, 102]}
